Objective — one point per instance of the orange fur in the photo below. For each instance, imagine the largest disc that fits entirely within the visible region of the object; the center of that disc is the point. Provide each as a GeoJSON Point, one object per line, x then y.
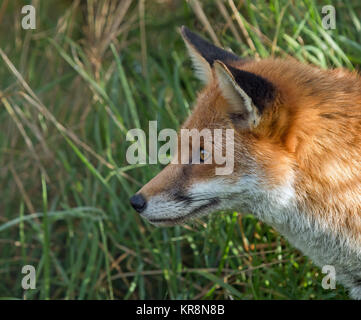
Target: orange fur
{"type": "Point", "coordinates": [316, 122]}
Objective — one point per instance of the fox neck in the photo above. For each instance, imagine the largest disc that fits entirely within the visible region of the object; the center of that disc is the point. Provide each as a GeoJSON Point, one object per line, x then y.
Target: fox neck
{"type": "Point", "coordinates": [288, 213]}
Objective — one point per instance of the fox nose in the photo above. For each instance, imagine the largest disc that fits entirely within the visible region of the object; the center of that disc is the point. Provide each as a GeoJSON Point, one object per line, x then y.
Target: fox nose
{"type": "Point", "coordinates": [138, 202]}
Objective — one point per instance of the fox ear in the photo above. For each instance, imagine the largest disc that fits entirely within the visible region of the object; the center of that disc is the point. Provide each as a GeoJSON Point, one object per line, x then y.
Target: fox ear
{"type": "Point", "coordinates": [203, 54]}
{"type": "Point", "coordinates": [247, 94]}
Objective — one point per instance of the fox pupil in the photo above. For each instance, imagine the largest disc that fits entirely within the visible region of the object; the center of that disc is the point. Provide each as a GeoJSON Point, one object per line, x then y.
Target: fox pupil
{"type": "Point", "coordinates": [202, 155]}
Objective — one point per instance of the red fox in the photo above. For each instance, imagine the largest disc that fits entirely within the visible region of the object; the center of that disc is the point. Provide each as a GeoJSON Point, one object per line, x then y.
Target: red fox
{"type": "Point", "coordinates": [297, 155]}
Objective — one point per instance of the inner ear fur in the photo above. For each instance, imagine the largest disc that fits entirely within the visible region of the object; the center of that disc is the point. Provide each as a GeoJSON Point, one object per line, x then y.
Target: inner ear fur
{"type": "Point", "coordinates": [246, 93]}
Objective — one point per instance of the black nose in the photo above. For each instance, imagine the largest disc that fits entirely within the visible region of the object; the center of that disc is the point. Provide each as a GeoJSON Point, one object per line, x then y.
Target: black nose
{"type": "Point", "coordinates": [138, 202]}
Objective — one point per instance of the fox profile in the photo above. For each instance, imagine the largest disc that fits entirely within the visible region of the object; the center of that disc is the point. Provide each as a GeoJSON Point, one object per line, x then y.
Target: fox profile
{"type": "Point", "coordinates": [297, 155]}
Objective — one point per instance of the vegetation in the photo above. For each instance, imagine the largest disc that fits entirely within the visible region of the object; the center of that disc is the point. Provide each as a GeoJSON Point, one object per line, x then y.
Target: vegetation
{"type": "Point", "coordinates": [70, 90]}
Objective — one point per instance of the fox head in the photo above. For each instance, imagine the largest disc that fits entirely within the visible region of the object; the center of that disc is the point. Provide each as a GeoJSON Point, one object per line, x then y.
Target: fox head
{"type": "Point", "coordinates": [236, 96]}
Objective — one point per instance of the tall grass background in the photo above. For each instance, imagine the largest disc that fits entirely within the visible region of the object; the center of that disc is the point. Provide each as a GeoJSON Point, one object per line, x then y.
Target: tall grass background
{"type": "Point", "coordinates": [70, 90]}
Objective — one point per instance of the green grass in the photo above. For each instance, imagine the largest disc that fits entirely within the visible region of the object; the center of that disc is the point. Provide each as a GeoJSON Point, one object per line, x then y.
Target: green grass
{"type": "Point", "coordinates": [65, 182]}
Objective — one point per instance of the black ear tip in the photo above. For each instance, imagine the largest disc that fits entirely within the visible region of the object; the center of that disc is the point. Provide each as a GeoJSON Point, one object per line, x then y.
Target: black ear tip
{"type": "Point", "coordinates": [207, 50]}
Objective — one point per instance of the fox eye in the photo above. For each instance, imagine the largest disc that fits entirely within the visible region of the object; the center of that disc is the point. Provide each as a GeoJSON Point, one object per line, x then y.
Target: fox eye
{"type": "Point", "coordinates": [203, 155]}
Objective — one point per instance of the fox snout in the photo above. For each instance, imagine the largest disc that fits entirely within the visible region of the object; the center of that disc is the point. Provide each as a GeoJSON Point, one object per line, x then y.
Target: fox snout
{"type": "Point", "coordinates": [138, 202]}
